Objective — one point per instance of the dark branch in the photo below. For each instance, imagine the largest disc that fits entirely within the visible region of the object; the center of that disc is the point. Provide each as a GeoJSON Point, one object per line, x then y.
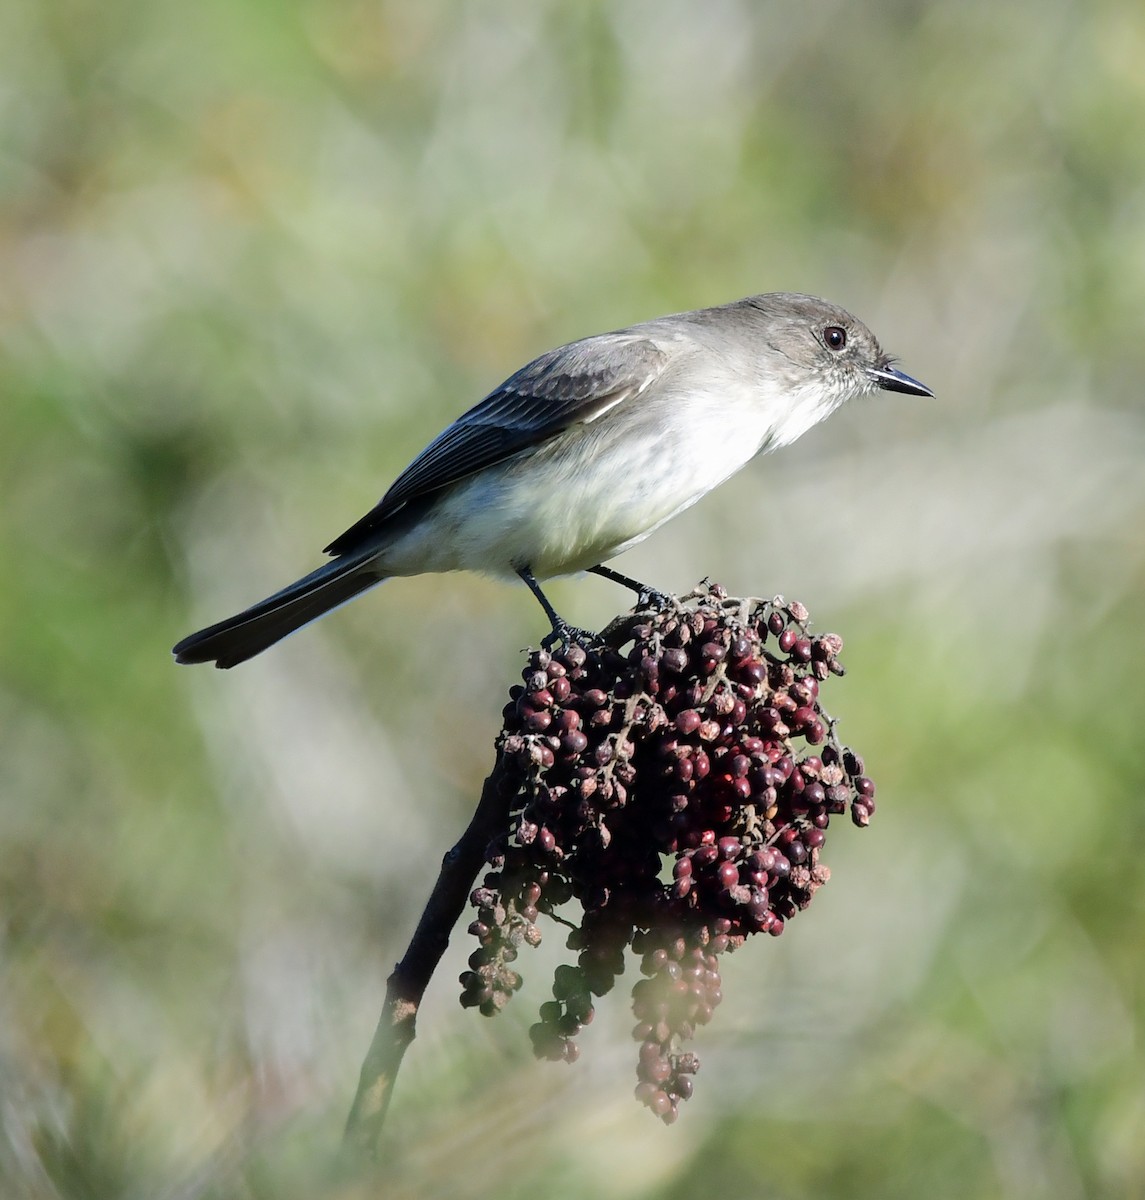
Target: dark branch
{"type": "Point", "coordinates": [411, 976]}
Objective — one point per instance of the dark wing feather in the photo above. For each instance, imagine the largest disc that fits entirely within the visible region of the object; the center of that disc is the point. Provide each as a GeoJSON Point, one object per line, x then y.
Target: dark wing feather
{"type": "Point", "coordinates": [577, 382]}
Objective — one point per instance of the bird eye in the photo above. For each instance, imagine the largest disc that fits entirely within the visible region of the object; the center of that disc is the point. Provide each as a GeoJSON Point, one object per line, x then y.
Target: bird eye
{"type": "Point", "coordinates": [834, 337]}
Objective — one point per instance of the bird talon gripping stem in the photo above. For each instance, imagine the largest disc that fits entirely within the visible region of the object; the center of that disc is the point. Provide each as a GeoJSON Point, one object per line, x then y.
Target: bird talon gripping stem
{"type": "Point", "coordinates": [646, 597]}
{"type": "Point", "coordinates": [567, 636]}
{"type": "Point", "coordinates": [562, 633]}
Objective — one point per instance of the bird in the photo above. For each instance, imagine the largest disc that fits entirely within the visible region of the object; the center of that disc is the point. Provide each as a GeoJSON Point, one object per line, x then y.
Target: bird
{"type": "Point", "coordinates": [584, 452]}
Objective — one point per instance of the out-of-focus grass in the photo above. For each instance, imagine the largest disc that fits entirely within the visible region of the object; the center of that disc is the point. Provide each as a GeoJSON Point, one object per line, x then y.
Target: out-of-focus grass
{"type": "Point", "coordinates": [251, 258]}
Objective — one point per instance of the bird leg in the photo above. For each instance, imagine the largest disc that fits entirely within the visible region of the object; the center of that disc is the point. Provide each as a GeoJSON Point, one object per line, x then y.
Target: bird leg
{"type": "Point", "coordinates": [646, 597]}
{"type": "Point", "coordinates": [568, 635]}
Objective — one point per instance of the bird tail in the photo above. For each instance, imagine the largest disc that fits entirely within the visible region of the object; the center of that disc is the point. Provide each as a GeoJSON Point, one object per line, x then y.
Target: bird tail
{"type": "Point", "coordinates": [254, 629]}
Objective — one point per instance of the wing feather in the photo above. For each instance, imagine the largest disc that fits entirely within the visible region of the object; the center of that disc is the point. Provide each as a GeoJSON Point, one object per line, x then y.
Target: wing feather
{"type": "Point", "coordinates": [574, 383]}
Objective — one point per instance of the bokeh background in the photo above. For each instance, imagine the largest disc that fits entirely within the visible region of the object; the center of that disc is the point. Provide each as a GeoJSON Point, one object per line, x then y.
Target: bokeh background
{"type": "Point", "coordinates": [252, 257]}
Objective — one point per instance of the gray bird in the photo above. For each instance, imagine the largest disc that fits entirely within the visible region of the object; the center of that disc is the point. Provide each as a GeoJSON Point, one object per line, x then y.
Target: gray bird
{"type": "Point", "coordinates": [584, 452]}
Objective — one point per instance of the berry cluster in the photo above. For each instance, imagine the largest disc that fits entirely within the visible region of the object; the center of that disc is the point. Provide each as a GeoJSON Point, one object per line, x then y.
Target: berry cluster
{"type": "Point", "coordinates": [676, 779]}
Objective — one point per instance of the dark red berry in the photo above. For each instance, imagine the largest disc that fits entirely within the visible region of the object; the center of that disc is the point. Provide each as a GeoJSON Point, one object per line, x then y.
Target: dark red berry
{"type": "Point", "coordinates": [688, 721]}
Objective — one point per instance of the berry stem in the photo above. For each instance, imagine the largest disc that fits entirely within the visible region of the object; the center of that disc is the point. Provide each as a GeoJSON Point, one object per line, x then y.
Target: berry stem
{"type": "Point", "coordinates": [406, 986]}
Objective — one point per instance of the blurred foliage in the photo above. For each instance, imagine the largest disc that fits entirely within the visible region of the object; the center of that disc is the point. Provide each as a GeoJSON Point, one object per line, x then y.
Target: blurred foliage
{"type": "Point", "coordinates": [252, 257]}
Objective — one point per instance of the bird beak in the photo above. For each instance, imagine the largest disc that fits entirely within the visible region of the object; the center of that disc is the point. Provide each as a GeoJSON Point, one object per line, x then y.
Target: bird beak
{"type": "Point", "coordinates": [891, 380]}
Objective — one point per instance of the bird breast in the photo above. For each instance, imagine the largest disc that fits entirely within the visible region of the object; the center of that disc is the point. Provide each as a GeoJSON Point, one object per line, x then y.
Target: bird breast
{"type": "Point", "coordinates": [588, 493]}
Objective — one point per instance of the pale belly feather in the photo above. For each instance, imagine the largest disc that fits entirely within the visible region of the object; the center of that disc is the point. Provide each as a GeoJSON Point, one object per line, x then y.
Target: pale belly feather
{"type": "Point", "coordinates": [581, 498]}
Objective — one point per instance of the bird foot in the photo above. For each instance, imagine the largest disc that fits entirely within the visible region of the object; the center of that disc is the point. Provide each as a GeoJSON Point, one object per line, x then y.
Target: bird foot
{"type": "Point", "coordinates": [646, 597]}
{"type": "Point", "coordinates": [568, 635]}
{"type": "Point", "coordinates": [653, 598]}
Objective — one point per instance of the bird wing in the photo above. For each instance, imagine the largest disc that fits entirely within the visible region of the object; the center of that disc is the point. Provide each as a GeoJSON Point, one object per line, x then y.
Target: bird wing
{"type": "Point", "coordinates": [574, 383]}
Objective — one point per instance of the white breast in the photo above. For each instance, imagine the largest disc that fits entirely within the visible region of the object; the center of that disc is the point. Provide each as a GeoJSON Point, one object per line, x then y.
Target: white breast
{"type": "Point", "coordinates": [591, 492]}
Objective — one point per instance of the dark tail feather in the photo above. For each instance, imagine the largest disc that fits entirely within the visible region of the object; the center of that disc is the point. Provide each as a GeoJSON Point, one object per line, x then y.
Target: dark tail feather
{"type": "Point", "coordinates": [250, 632]}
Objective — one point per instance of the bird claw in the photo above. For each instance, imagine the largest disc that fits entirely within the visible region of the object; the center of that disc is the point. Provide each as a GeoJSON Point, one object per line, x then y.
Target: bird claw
{"type": "Point", "coordinates": [569, 635]}
{"type": "Point", "coordinates": [654, 599]}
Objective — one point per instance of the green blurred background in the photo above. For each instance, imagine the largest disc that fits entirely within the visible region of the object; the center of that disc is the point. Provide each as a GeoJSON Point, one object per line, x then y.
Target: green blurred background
{"type": "Point", "coordinates": [252, 257]}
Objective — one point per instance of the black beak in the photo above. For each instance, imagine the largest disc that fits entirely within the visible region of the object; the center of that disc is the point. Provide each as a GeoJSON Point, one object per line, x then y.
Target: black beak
{"type": "Point", "coordinates": [891, 380]}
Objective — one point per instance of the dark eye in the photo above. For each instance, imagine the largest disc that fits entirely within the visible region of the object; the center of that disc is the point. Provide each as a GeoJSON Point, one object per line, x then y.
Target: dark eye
{"type": "Point", "coordinates": [834, 337]}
